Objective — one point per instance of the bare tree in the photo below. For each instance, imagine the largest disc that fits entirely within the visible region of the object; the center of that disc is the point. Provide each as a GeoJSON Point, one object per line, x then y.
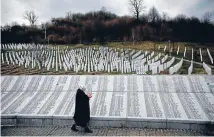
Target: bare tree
{"type": "Point", "coordinates": [165, 17]}
{"type": "Point", "coordinates": [136, 6]}
{"type": "Point", "coordinates": [153, 15]}
{"type": "Point", "coordinates": [207, 17]}
{"type": "Point", "coordinates": [133, 35]}
{"type": "Point", "coordinates": [69, 15]}
{"type": "Point", "coordinates": [144, 18]}
{"type": "Point", "coordinates": [31, 17]}
{"type": "Point", "coordinates": [14, 23]}
{"type": "Point", "coordinates": [180, 17]}
{"type": "Point", "coordinates": [103, 9]}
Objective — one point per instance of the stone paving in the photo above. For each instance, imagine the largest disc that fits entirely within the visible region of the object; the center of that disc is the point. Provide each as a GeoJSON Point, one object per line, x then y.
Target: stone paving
{"type": "Point", "coordinates": [66, 131]}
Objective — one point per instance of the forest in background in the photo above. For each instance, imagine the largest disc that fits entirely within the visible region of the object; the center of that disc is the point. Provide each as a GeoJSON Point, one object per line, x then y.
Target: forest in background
{"type": "Point", "coordinates": [103, 26]}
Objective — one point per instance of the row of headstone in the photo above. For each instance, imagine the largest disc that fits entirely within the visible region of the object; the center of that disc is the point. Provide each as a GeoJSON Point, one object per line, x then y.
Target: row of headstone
{"type": "Point", "coordinates": [156, 58]}
{"type": "Point", "coordinates": [170, 50]}
{"type": "Point", "coordinates": [23, 46]}
{"type": "Point", "coordinates": [176, 67]}
{"type": "Point", "coordinates": [200, 54]}
{"type": "Point", "coordinates": [169, 63]}
{"type": "Point", "coordinates": [152, 54]}
{"type": "Point", "coordinates": [192, 53]}
{"type": "Point", "coordinates": [52, 61]}
{"type": "Point", "coordinates": [185, 52]}
{"type": "Point", "coordinates": [142, 69]}
{"type": "Point", "coordinates": [136, 54]}
{"type": "Point", "coordinates": [87, 60]}
{"type": "Point", "coordinates": [154, 70]}
{"type": "Point", "coordinates": [165, 48]}
{"type": "Point", "coordinates": [211, 59]}
{"type": "Point", "coordinates": [155, 64]}
{"type": "Point", "coordinates": [164, 58]}
{"type": "Point", "coordinates": [207, 69]}
{"type": "Point", "coordinates": [178, 50]}
{"type": "Point", "coordinates": [140, 57]}
{"type": "Point", "coordinates": [160, 68]}
{"type": "Point", "coordinates": [190, 69]}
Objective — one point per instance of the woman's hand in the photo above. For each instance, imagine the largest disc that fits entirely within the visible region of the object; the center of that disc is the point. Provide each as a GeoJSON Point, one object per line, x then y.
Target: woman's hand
{"type": "Point", "coordinates": [89, 95]}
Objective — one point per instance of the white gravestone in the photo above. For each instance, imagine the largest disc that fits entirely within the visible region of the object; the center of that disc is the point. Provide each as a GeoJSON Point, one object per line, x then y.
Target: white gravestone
{"type": "Point", "coordinates": [190, 69]}
{"type": "Point", "coordinates": [185, 52]}
{"type": "Point", "coordinates": [211, 59]}
{"type": "Point", "coordinates": [200, 54]}
{"type": "Point", "coordinates": [207, 69]}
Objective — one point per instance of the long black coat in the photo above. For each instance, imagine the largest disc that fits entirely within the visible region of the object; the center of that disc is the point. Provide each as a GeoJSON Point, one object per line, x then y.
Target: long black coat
{"type": "Point", "coordinates": [82, 109]}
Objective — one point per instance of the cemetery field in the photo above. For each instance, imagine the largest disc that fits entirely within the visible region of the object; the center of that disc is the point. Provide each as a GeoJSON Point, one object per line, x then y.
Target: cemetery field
{"type": "Point", "coordinates": [113, 58]}
{"type": "Point", "coordinates": [153, 46]}
{"type": "Point", "coordinates": [20, 70]}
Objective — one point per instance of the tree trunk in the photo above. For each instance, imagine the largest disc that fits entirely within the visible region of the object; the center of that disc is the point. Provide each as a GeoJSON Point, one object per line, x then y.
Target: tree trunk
{"type": "Point", "coordinates": [137, 15]}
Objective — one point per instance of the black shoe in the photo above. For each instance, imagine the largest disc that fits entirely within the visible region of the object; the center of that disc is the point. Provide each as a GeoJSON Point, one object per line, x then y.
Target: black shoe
{"type": "Point", "coordinates": [87, 130]}
{"type": "Point", "coordinates": [74, 128]}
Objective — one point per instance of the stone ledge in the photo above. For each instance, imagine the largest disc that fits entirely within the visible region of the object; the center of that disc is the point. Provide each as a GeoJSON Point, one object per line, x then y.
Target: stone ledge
{"type": "Point", "coordinates": [42, 120]}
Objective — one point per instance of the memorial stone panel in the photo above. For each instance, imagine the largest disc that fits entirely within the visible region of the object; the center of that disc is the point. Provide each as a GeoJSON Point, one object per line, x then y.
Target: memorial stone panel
{"type": "Point", "coordinates": [100, 105]}
{"type": "Point", "coordinates": [198, 84]}
{"type": "Point", "coordinates": [165, 84]}
{"type": "Point", "coordinates": [185, 98]}
{"type": "Point", "coordinates": [181, 84]}
{"type": "Point", "coordinates": [191, 107]}
{"type": "Point", "coordinates": [149, 84]}
{"type": "Point", "coordinates": [153, 105]}
{"type": "Point", "coordinates": [119, 83]}
{"type": "Point", "coordinates": [56, 95]}
{"type": "Point", "coordinates": [206, 101]}
{"type": "Point", "coordinates": [6, 83]}
{"type": "Point", "coordinates": [40, 97]}
{"type": "Point", "coordinates": [118, 104]}
{"type": "Point", "coordinates": [31, 85]}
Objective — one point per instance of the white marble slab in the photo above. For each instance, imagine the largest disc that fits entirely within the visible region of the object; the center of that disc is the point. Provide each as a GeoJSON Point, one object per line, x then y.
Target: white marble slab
{"type": "Point", "coordinates": [165, 84]}
{"type": "Point", "coordinates": [103, 83]}
{"type": "Point", "coordinates": [131, 83]}
{"type": "Point", "coordinates": [209, 79]}
{"type": "Point", "coordinates": [118, 105]}
{"type": "Point", "coordinates": [67, 105]}
{"type": "Point", "coordinates": [181, 84]}
{"type": "Point", "coordinates": [153, 105]}
{"type": "Point", "coordinates": [2, 78]}
{"type": "Point", "coordinates": [198, 84]}
{"type": "Point", "coordinates": [100, 104]}
{"type": "Point", "coordinates": [191, 107]}
{"type": "Point", "coordinates": [8, 83]}
{"type": "Point", "coordinates": [206, 101]}
{"type": "Point", "coordinates": [174, 98]}
{"type": "Point", "coordinates": [23, 102]}
{"type": "Point", "coordinates": [7, 102]}
{"type": "Point", "coordinates": [119, 83]}
{"type": "Point", "coordinates": [149, 84]}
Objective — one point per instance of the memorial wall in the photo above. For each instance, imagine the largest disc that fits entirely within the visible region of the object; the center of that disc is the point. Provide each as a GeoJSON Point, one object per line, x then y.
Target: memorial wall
{"type": "Point", "coordinates": [174, 97]}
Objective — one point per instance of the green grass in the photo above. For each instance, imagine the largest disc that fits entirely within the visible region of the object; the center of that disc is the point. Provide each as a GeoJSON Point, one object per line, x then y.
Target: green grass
{"type": "Point", "coordinates": [198, 69]}
{"type": "Point", "coordinates": [184, 68]}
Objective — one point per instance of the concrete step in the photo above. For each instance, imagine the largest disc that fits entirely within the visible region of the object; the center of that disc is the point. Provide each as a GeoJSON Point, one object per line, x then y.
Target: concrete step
{"type": "Point", "coordinates": [57, 120]}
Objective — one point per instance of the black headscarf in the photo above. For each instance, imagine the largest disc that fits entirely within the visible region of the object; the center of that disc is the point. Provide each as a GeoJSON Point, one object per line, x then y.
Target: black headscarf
{"type": "Point", "coordinates": [82, 109]}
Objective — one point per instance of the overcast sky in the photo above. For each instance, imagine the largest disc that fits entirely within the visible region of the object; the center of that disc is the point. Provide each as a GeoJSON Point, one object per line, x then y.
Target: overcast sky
{"type": "Point", "coordinates": [13, 10]}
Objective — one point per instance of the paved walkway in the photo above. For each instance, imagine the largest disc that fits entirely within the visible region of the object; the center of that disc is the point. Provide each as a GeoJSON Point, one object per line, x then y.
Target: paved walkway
{"type": "Point", "coordinates": [66, 131]}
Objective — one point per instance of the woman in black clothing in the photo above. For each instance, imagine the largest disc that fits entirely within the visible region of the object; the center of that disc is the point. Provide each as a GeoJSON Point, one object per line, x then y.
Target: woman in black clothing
{"type": "Point", "coordinates": [82, 110]}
